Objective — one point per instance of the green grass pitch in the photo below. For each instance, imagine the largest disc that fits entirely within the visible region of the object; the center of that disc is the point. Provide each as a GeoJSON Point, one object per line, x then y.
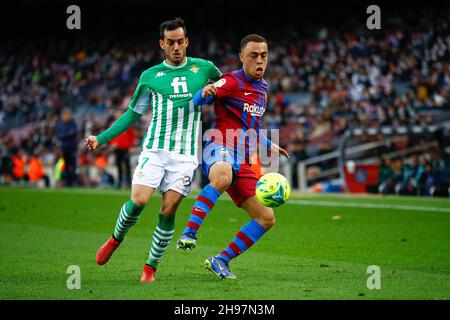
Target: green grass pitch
{"type": "Point", "coordinates": [307, 254]}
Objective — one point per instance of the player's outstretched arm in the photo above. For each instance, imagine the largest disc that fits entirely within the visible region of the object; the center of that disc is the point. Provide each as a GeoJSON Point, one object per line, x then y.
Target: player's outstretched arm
{"type": "Point", "coordinates": [125, 121]}
{"type": "Point", "coordinates": [278, 150]}
{"type": "Point", "coordinates": [265, 141]}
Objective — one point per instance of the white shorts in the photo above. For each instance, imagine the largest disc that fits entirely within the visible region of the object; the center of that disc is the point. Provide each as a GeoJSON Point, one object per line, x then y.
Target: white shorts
{"type": "Point", "coordinates": [160, 170]}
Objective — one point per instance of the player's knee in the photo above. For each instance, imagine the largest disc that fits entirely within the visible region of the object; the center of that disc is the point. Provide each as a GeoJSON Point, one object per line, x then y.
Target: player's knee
{"type": "Point", "coordinates": [221, 181]}
{"type": "Point", "coordinates": [139, 198]}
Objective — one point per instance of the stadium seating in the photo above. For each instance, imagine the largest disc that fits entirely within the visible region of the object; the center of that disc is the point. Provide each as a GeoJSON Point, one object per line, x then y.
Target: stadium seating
{"type": "Point", "coordinates": [321, 84]}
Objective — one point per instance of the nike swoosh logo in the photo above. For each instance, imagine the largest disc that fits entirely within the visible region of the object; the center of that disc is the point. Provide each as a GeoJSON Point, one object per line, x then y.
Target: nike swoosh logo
{"type": "Point", "coordinates": [220, 267]}
{"type": "Point", "coordinates": [247, 93]}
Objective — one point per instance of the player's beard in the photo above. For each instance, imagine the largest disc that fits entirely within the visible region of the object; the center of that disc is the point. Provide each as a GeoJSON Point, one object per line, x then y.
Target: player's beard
{"type": "Point", "coordinates": [177, 58]}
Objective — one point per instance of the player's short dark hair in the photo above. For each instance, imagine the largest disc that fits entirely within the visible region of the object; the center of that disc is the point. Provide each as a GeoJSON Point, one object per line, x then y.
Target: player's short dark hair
{"type": "Point", "coordinates": [170, 25]}
{"type": "Point", "coordinates": [252, 38]}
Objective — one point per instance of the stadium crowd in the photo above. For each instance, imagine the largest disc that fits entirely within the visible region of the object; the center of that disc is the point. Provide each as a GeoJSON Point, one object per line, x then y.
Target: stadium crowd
{"type": "Point", "coordinates": [321, 85]}
{"type": "Point", "coordinates": [419, 174]}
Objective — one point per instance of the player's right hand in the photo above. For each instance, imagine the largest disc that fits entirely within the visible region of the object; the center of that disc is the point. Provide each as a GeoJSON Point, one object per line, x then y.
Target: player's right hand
{"type": "Point", "coordinates": [91, 143]}
{"type": "Point", "coordinates": [208, 90]}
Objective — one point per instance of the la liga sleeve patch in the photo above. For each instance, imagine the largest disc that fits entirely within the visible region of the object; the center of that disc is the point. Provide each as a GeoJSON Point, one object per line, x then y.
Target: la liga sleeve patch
{"type": "Point", "coordinates": [220, 83]}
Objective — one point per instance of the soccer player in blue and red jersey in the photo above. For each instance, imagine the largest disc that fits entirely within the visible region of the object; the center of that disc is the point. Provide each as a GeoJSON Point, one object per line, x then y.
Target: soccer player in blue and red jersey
{"type": "Point", "coordinates": [240, 99]}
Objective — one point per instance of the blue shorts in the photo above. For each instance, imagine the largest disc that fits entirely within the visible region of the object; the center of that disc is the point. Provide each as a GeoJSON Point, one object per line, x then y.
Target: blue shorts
{"type": "Point", "coordinates": [244, 178]}
{"type": "Point", "coordinates": [213, 152]}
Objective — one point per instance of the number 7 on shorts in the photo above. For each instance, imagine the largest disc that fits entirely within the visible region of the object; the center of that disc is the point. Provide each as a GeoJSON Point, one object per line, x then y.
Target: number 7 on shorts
{"type": "Point", "coordinates": [143, 163]}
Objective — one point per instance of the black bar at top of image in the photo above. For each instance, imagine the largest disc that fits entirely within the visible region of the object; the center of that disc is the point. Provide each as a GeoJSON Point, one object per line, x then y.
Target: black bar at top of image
{"type": "Point", "coordinates": [26, 18]}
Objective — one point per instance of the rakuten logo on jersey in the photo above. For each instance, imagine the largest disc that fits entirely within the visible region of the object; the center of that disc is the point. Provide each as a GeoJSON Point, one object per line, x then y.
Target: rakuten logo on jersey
{"type": "Point", "coordinates": [254, 110]}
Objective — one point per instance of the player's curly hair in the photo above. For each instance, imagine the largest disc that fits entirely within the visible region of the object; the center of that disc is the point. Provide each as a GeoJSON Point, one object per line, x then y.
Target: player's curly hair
{"type": "Point", "coordinates": [170, 25]}
{"type": "Point", "coordinates": [252, 38]}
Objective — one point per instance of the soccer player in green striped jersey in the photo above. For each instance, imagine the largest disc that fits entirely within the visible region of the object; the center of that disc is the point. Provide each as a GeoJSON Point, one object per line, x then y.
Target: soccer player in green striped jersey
{"type": "Point", "coordinates": [169, 147]}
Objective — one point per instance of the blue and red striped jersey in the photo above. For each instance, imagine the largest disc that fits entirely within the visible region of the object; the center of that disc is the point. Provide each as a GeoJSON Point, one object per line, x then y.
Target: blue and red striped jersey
{"type": "Point", "coordinates": [239, 105]}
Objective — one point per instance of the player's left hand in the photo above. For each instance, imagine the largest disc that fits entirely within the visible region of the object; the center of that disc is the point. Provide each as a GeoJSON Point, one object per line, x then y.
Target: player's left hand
{"type": "Point", "coordinates": [208, 90]}
{"type": "Point", "coordinates": [278, 150]}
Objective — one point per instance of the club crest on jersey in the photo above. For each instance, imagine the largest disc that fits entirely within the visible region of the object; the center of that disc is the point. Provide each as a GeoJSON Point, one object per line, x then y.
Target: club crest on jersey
{"type": "Point", "coordinates": [254, 109]}
{"type": "Point", "coordinates": [220, 83]}
{"type": "Point", "coordinates": [194, 68]}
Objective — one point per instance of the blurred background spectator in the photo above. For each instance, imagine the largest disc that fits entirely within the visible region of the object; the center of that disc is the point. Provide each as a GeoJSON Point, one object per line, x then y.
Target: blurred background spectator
{"type": "Point", "coordinates": [122, 145]}
{"type": "Point", "coordinates": [66, 133]}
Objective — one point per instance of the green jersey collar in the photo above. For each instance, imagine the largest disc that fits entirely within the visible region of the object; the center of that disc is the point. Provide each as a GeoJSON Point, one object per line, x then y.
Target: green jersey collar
{"type": "Point", "coordinates": [175, 67]}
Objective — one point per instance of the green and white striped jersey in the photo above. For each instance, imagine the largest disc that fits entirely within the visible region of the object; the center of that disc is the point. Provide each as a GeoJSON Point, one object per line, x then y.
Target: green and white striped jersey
{"type": "Point", "coordinates": [169, 91]}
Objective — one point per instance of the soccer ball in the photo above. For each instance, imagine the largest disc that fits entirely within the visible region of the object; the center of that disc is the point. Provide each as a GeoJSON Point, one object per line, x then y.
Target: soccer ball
{"type": "Point", "coordinates": [273, 189]}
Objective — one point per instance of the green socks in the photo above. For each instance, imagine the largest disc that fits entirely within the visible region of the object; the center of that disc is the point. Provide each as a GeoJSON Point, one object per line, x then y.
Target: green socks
{"type": "Point", "coordinates": [161, 237]}
{"type": "Point", "coordinates": [129, 214]}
